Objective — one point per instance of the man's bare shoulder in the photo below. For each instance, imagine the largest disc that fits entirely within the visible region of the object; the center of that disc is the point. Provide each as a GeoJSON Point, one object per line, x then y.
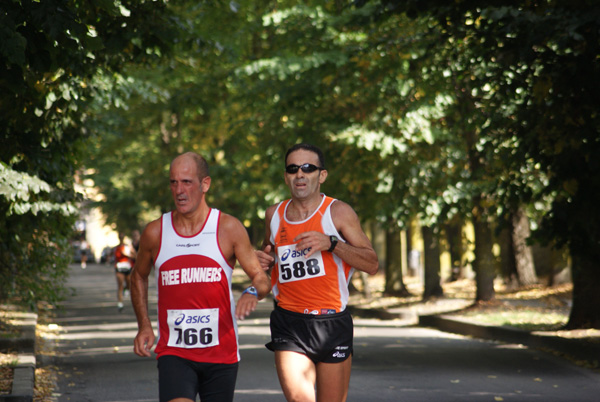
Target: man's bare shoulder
{"type": "Point", "coordinates": [232, 234]}
{"type": "Point", "coordinates": [342, 214]}
{"type": "Point", "coordinates": [340, 207]}
{"type": "Point", "coordinates": [270, 211]}
{"type": "Point", "coordinates": [152, 231]}
{"type": "Point", "coordinates": [229, 223]}
{"type": "Point", "coordinates": [154, 225]}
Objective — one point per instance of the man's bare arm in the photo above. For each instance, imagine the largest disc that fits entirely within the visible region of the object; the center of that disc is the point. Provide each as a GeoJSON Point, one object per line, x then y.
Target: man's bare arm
{"type": "Point", "coordinates": [356, 251]}
{"type": "Point", "coordinates": [237, 242]}
{"type": "Point", "coordinates": [149, 242]}
{"type": "Point", "coordinates": [266, 256]}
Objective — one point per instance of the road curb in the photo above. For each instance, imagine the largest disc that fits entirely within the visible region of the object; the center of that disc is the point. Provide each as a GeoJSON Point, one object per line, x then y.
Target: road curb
{"type": "Point", "coordinates": [376, 313]}
{"type": "Point", "coordinates": [24, 345]}
{"type": "Point", "coordinates": [574, 349]}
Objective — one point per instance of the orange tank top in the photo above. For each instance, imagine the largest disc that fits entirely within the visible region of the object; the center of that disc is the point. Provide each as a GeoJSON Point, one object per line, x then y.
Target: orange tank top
{"type": "Point", "coordinates": [314, 285]}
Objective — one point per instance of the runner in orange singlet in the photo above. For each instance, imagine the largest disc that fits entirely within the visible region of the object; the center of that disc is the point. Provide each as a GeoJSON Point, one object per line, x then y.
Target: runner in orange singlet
{"type": "Point", "coordinates": [124, 257]}
{"type": "Point", "coordinates": [312, 243]}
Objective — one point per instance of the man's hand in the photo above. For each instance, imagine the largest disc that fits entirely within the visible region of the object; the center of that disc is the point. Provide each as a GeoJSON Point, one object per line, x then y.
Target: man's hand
{"type": "Point", "coordinates": [245, 305]}
{"type": "Point", "coordinates": [143, 342]}
{"type": "Point", "coordinates": [316, 241]}
{"type": "Point", "coordinates": [265, 258]}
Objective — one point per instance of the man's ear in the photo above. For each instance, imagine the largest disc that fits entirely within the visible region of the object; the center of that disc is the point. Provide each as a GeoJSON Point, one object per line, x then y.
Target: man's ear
{"type": "Point", "coordinates": [322, 176]}
{"type": "Point", "coordinates": [205, 184]}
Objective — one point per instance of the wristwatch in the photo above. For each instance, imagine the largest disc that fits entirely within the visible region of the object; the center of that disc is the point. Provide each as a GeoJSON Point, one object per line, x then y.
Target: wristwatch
{"type": "Point", "coordinates": [334, 241]}
{"type": "Point", "coordinates": [251, 290]}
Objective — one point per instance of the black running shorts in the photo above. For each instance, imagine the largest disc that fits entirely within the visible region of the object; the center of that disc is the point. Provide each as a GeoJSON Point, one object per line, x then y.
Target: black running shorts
{"type": "Point", "coordinates": [181, 378]}
{"type": "Point", "coordinates": [323, 338]}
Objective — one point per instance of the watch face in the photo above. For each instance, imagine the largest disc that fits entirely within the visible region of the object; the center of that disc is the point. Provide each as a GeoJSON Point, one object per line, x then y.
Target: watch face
{"type": "Point", "coordinates": [251, 290]}
{"type": "Point", "coordinates": [333, 240]}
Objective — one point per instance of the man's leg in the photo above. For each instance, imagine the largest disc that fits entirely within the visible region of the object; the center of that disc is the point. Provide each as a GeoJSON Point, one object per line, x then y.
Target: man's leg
{"type": "Point", "coordinates": [127, 286]}
{"type": "Point", "coordinates": [297, 376]}
{"type": "Point", "coordinates": [333, 380]}
{"type": "Point", "coordinates": [217, 382]}
{"type": "Point", "coordinates": [177, 380]}
{"type": "Point", "coordinates": [120, 285]}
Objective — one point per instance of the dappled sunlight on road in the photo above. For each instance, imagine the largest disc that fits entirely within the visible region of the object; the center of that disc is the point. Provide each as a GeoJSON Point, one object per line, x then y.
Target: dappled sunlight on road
{"type": "Point", "coordinates": [250, 346]}
{"type": "Point", "coordinates": [120, 331]}
{"type": "Point", "coordinates": [259, 392]}
{"type": "Point", "coordinates": [102, 351]}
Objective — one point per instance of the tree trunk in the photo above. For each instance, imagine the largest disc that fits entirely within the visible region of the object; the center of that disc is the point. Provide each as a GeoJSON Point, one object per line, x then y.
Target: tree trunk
{"type": "Point", "coordinates": [585, 312]}
{"type": "Point", "coordinates": [484, 259]}
{"type": "Point", "coordinates": [394, 281]}
{"type": "Point", "coordinates": [432, 286]}
{"type": "Point", "coordinates": [507, 258]}
{"type": "Point", "coordinates": [523, 254]}
{"type": "Point", "coordinates": [364, 277]}
{"type": "Point", "coordinates": [455, 247]}
{"type": "Point", "coordinates": [411, 271]}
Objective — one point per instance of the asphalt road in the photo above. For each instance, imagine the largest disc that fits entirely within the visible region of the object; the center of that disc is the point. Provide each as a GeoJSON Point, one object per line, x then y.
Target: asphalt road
{"type": "Point", "coordinates": [392, 362]}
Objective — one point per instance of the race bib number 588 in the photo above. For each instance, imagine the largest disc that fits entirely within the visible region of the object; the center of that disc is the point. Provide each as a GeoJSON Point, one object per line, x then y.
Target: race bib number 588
{"type": "Point", "coordinates": [193, 328]}
{"type": "Point", "coordinates": [294, 266]}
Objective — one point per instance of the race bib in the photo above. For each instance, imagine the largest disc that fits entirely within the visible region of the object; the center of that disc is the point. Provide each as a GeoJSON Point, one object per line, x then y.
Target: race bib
{"type": "Point", "coordinates": [190, 329]}
{"type": "Point", "coordinates": [294, 266]}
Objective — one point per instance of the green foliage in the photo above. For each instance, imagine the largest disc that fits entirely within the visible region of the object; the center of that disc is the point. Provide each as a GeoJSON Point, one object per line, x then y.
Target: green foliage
{"type": "Point", "coordinates": [529, 68]}
{"type": "Point", "coordinates": [21, 190]}
{"type": "Point", "coordinates": [529, 82]}
{"type": "Point", "coordinates": [424, 108]}
{"type": "Point", "coordinates": [50, 52]}
{"type": "Point", "coordinates": [34, 229]}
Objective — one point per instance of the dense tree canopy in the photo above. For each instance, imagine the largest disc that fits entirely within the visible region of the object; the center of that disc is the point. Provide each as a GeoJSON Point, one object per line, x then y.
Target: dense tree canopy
{"type": "Point", "coordinates": [531, 69]}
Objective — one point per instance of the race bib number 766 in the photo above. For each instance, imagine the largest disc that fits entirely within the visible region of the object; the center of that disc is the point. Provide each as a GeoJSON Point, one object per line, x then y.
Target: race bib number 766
{"type": "Point", "coordinates": [197, 328]}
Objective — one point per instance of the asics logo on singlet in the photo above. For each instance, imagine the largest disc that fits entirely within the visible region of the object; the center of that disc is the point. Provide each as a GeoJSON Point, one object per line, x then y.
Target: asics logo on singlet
{"type": "Point", "coordinates": [179, 319]}
{"type": "Point", "coordinates": [294, 253]}
{"type": "Point", "coordinates": [188, 245]}
{"type": "Point", "coordinates": [192, 319]}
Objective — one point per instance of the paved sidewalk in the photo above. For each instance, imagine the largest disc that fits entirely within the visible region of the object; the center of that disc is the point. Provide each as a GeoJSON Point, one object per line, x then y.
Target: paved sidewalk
{"type": "Point", "coordinates": [437, 314]}
{"type": "Point", "coordinates": [24, 345]}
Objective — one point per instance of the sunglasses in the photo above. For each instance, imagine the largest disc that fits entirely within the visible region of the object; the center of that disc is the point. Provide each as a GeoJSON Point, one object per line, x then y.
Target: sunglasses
{"type": "Point", "coordinates": [306, 168]}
